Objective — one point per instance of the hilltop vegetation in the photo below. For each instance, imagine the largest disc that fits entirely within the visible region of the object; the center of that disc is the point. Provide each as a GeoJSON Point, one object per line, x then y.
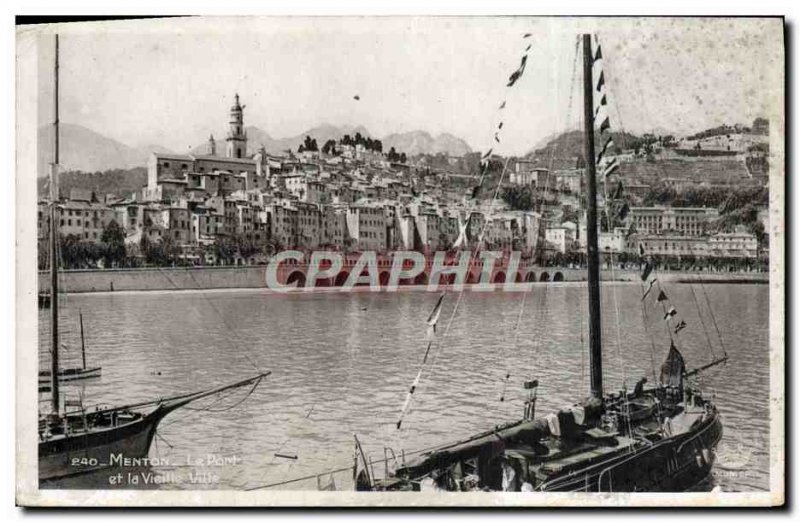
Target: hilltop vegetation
{"type": "Point", "coordinates": [120, 182]}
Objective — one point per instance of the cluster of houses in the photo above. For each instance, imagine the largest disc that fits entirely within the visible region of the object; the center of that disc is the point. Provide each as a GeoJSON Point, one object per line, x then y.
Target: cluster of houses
{"type": "Point", "coordinates": [663, 231]}
{"type": "Point", "coordinates": [355, 200]}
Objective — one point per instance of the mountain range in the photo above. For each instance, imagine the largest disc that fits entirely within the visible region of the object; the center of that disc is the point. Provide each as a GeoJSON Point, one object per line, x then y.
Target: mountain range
{"type": "Point", "coordinates": [89, 151]}
{"type": "Point", "coordinates": [86, 150]}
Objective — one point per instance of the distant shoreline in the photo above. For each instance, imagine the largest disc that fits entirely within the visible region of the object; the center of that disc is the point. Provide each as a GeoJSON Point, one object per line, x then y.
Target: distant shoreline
{"type": "Point", "coordinates": [253, 277]}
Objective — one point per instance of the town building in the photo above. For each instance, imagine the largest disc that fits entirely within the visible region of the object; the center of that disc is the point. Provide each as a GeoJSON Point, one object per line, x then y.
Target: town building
{"type": "Point", "coordinates": [687, 221]}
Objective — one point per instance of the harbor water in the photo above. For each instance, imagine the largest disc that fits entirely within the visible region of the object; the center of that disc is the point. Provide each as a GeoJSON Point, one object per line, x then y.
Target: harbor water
{"type": "Point", "coordinates": [342, 363]}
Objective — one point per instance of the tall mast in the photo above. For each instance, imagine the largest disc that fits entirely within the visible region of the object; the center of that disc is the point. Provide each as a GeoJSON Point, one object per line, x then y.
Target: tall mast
{"type": "Point", "coordinates": [83, 341]}
{"type": "Point", "coordinates": [54, 224]}
{"type": "Point", "coordinates": [593, 259]}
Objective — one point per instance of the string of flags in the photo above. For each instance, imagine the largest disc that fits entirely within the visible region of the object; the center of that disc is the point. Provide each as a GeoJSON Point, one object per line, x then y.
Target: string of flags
{"type": "Point", "coordinates": [669, 313]}
{"type": "Point", "coordinates": [463, 236]}
{"type": "Point", "coordinates": [616, 205]}
{"type": "Point", "coordinates": [433, 318]}
{"type": "Point", "coordinates": [609, 167]}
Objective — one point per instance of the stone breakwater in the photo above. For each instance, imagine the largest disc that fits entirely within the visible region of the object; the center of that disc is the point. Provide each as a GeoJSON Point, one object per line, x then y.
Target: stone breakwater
{"type": "Point", "coordinates": [232, 277]}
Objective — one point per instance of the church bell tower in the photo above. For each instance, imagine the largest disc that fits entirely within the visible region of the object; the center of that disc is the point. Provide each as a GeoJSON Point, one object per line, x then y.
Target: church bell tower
{"type": "Point", "coordinates": [237, 138]}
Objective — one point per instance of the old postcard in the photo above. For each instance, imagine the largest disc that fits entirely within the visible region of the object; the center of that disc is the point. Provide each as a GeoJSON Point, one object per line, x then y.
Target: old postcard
{"type": "Point", "coordinates": [401, 261]}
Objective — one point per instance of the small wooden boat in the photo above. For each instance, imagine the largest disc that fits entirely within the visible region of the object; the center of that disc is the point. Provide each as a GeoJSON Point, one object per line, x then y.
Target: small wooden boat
{"type": "Point", "coordinates": [70, 374]}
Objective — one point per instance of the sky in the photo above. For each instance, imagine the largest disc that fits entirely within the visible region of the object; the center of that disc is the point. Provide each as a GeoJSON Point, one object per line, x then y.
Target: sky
{"type": "Point", "coordinates": [171, 82]}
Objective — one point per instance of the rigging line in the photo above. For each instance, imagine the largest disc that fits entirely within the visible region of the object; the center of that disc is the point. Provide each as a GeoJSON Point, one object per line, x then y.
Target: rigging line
{"type": "Point", "coordinates": [475, 251]}
{"type": "Point", "coordinates": [533, 353]}
{"type": "Point", "coordinates": [234, 345]}
{"type": "Point", "coordinates": [648, 333]}
{"type": "Point", "coordinates": [338, 470]}
{"type": "Point", "coordinates": [711, 313]}
{"type": "Point", "coordinates": [516, 335]}
{"type": "Point", "coordinates": [613, 84]}
{"type": "Point", "coordinates": [700, 316]}
{"type": "Point", "coordinates": [441, 343]}
{"type": "Point", "coordinates": [615, 298]}
{"type": "Point", "coordinates": [238, 343]}
{"type": "Point", "coordinates": [713, 319]}
{"type": "Point", "coordinates": [537, 208]}
{"type": "Point", "coordinates": [231, 406]}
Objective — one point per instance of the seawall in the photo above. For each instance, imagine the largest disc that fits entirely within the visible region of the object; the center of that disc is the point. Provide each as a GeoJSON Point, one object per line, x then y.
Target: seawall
{"type": "Point", "coordinates": [207, 278]}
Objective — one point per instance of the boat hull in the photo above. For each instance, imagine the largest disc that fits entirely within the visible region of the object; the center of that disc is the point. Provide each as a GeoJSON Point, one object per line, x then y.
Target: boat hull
{"type": "Point", "coordinates": [72, 455]}
{"type": "Point", "coordinates": [70, 374]}
{"type": "Point", "coordinates": [674, 464]}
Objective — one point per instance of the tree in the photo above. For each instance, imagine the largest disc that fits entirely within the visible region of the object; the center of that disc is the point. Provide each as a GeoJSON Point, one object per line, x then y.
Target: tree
{"type": "Point", "coordinates": [113, 239]}
{"type": "Point", "coordinates": [329, 147]}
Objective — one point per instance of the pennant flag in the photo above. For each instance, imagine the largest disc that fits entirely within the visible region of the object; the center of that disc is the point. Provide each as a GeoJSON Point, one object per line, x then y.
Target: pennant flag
{"type": "Point", "coordinates": [649, 287]}
{"type": "Point", "coordinates": [601, 81]}
{"type": "Point", "coordinates": [623, 212]}
{"type": "Point", "coordinates": [670, 313]}
{"type": "Point", "coordinates": [516, 75]}
{"type": "Point", "coordinates": [601, 105]}
{"type": "Point", "coordinates": [528, 48]}
{"type": "Point", "coordinates": [680, 326]}
{"type": "Point", "coordinates": [662, 297]}
{"type": "Point", "coordinates": [488, 153]}
{"type": "Point", "coordinates": [407, 402]}
{"type": "Point", "coordinates": [599, 54]}
{"type": "Point", "coordinates": [433, 319]}
{"type": "Point", "coordinates": [526, 35]}
{"type": "Point", "coordinates": [673, 368]}
{"type": "Point", "coordinates": [619, 191]}
{"type": "Point", "coordinates": [496, 138]}
{"type": "Point", "coordinates": [500, 126]}
{"type": "Point", "coordinates": [605, 125]}
{"type": "Point", "coordinates": [611, 167]}
{"type": "Point", "coordinates": [356, 97]}
{"type": "Point", "coordinates": [503, 105]}
{"type": "Point", "coordinates": [648, 268]}
{"type": "Point", "coordinates": [606, 145]}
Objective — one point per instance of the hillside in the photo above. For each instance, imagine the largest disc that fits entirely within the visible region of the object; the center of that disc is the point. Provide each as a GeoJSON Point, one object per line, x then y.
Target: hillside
{"type": "Point", "coordinates": [569, 144]}
{"type": "Point", "coordinates": [120, 182]}
{"type": "Point", "coordinates": [421, 142]}
{"type": "Point", "coordinates": [86, 150]}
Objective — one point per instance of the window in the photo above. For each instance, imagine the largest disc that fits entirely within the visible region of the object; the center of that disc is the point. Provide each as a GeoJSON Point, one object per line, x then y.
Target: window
{"type": "Point", "coordinates": [166, 163]}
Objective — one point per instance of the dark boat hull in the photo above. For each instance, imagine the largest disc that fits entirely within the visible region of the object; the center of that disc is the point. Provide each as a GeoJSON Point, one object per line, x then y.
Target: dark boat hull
{"type": "Point", "coordinates": [70, 374]}
{"type": "Point", "coordinates": [673, 464]}
{"type": "Point", "coordinates": [65, 456]}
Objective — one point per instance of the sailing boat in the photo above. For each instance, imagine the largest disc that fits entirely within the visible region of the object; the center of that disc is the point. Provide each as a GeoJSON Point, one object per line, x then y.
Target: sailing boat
{"type": "Point", "coordinates": [80, 440]}
{"type": "Point", "coordinates": [71, 374]}
{"type": "Point", "coordinates": [656, 438]}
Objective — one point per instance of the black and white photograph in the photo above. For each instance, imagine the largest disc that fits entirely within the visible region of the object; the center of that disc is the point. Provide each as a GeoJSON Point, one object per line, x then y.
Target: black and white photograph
{"type": "Point", "coordinates": [400, 261]}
